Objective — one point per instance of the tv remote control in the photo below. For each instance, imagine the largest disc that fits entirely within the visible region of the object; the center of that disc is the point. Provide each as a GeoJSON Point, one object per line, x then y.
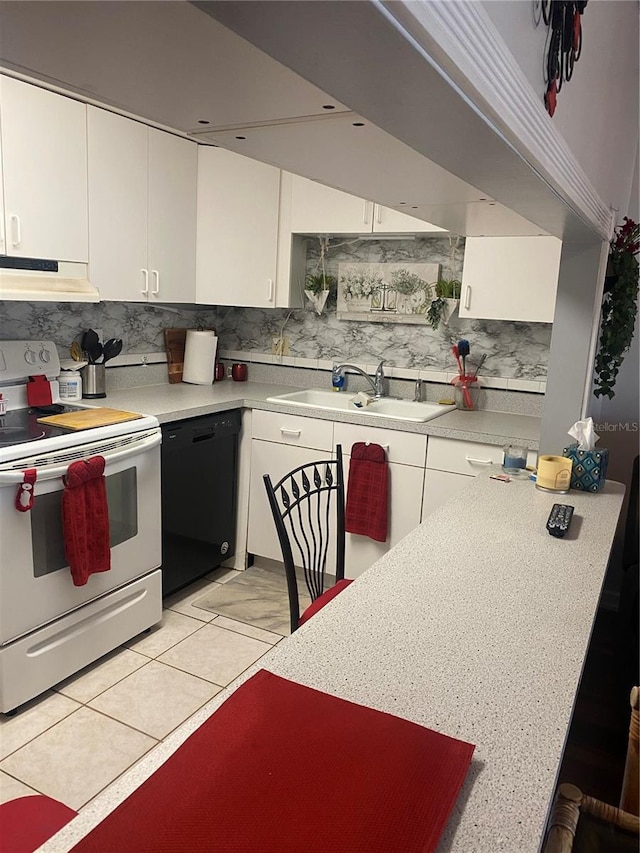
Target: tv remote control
{"type": "Point", "coordinates": [559, 519]}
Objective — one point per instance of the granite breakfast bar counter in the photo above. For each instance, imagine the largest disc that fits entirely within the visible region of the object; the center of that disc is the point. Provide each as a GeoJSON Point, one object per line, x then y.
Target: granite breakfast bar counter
{"type": "Point", "coordinates": [479, 632]}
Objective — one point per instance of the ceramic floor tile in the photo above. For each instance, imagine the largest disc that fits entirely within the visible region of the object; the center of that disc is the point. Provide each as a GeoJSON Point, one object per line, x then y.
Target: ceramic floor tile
{"type": "Point", "coordinates": [215, 654]}
{"type": "Point", "coordinates": [78, 757]}
{"type": "Point", "coordinates": [173, 628]}
{"type": "Point", "coordinates": [182, 601]}
{"type": "Point", "coordinates": [33, 719]}
{"type": "Point", "coordinates": [247, 630]}
{"type": "Point", "coordinates": [11, 789]}
{"type": "Point", "coordinates": [99, 676]}
{"type": "Point", "coordinates": [155, 699]}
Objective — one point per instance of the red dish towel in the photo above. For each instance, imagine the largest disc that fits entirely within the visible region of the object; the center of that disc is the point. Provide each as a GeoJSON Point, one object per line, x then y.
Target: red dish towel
{"type": "Point", "coordinates": [367, 509]}
{"type": "Point", "coordinates": [85, 519]}
{"type": "Point", "coordinates": [251, 780]}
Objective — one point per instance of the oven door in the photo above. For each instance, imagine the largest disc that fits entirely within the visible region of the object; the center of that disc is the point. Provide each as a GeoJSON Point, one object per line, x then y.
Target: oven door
{"type": "Point", "coordinates": [35, 579]}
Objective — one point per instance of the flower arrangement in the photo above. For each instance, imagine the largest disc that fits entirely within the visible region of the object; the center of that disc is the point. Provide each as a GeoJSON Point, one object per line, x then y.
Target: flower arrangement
{"type": "Point", "coordinates": [360, 285]}
{"type": "Point", "coordinates": [619, 306]}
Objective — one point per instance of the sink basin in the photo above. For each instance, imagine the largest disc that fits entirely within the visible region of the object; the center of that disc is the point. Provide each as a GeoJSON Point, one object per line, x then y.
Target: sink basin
{"type": "Point", "coordinates": [387, 407]}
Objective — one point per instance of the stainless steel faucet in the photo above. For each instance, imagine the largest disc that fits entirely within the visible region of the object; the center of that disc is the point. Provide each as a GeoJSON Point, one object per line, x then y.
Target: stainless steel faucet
{"type": "Point", "coordinates": [377, 383]}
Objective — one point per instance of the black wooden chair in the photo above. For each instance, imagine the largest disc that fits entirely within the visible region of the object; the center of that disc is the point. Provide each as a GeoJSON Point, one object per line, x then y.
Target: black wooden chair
{"type": "Point", "coordinates": [308, 511]}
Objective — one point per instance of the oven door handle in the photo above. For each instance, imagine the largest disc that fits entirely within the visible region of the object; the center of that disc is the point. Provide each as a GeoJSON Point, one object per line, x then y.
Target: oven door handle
{"type": "Point", "coordinates": [50, 472]}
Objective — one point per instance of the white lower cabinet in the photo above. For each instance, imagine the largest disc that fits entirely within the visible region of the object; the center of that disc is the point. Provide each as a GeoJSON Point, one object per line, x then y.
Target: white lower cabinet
{"type": "Point", "coordinates": [439, 487]}
{"type": "Point", "coordinates": [452, 464]}
{"type": "Point", "coordinates": [280, 443]}
{"type": "Point", "coordinates": [406, 457]}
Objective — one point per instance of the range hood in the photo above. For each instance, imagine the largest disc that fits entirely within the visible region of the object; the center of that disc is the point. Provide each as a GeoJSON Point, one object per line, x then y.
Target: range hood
{"type": "Point", "coordinates": [41, 280]}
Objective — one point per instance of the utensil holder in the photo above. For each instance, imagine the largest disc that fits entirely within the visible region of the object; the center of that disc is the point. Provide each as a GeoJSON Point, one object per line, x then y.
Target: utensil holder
{"type": "Point", "coordinates": [466, 390]}
{"type": "Point", "coordinates": [93, 382]}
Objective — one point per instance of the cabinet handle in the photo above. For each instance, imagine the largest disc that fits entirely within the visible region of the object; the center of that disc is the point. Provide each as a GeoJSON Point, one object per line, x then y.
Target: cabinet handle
{"type": "Point", "coordinates": [156, 289]}
{"type": "Point", "coordinates": [16, 231]}
{"type": "Point", "coordinates": [293, 432]}
{"type": "Point", "coordinates": [467, 297]}
{"type": "Point", "coordinates": [145, 289]}
{"type": "Point", "coordinates": [479, 461]}
{"type": "Point", "coordinates": [379, 212]}
{"type": "Point", "coordinates": [270, 291]}
{"type": "Point", "coordinates": [365, 212]}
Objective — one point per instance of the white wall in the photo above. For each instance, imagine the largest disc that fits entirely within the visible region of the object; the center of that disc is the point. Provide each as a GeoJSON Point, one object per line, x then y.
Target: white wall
{"type": "Point", "coordinates": [597, 110]}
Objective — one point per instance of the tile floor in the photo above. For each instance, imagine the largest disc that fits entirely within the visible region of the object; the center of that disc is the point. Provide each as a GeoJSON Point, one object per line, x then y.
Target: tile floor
{"type": "Point", "coordinates": [79, 737]}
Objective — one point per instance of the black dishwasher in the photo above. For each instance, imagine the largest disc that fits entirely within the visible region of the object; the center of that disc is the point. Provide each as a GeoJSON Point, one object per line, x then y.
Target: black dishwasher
{"type": "Point", "coordinates": [199, 466]}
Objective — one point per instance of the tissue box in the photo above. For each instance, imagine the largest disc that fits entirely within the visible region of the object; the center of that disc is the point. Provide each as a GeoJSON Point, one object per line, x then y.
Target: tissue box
{"type": "Point", "coordinates": [589, 468]}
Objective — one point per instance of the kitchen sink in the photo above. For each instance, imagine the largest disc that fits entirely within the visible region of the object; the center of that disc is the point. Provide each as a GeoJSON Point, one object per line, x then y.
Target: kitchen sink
{"type": "Point", "coordinates": [386, 407]}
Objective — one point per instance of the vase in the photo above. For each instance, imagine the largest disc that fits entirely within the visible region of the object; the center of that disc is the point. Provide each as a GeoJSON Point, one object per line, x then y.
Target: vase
{"type": "Point", "coordinates": [318, 300]}
{"type": "Point", "coordinates": [450, 306]}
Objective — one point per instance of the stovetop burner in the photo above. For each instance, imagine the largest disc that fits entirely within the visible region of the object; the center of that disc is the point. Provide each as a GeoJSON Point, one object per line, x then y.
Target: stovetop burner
{"type": "Point", "coordinates": [20, 426]}
{"type": "Point", "coordinates": [17, 435]}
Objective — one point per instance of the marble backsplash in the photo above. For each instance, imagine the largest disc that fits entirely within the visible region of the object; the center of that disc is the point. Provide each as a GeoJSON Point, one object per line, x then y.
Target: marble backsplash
{"type": "Point", "coordinates": [514, 350]}
{"type": "Point", "coordinates": [140, 326]}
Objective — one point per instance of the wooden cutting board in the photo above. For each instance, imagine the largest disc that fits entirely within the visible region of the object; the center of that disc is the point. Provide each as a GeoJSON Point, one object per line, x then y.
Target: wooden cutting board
{"type": "Point", "coordinates": [174, 344]}
{"type": "Point", "coordinates": [89, 418]}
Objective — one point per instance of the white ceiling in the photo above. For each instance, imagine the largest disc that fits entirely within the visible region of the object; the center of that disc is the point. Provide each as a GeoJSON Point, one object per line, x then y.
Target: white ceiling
{"type": "Point", "coordinates": [171, 64]}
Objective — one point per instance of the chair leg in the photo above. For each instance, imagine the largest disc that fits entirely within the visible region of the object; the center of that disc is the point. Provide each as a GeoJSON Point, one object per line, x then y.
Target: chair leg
{"type": "Point", "coordinates": [563, 820]}
{"type": "Point", "coordinates": [630, 795]}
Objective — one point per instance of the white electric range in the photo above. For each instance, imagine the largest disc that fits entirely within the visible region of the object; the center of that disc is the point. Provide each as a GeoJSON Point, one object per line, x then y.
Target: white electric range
{"type": "Point", "coordinates": [49, 628]}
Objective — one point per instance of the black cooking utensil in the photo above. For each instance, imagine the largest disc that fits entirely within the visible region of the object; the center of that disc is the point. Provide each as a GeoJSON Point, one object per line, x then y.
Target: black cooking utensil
{"type": "Point", "coordinates": [90, 344]}
{"type": "Point", "coordinates": [112, 348]}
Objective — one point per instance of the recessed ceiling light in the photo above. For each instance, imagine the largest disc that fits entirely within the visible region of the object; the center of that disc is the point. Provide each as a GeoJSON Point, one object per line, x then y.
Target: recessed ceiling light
{"type": "Point", "coordinates": [328, 107]}
{"type": "Point", "coordinates": [402, 202]}
{"type": "Point", "coordinates": [358, 124]}
{"type": "Point", "coordinates": [241, 137]}
{"type": "Point", "coordinates": [203, 121]}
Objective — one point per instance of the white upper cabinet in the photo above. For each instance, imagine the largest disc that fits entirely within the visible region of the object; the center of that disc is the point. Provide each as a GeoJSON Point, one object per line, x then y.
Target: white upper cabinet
{"type": "Point", "coordinates": [237, 240]}
{"type": "Point", "coordinates": [510, 278]}
{"type": "Point", "coordinates": [317, 209]}
{"type": "Point", "coordinates": [3, 245]}
{"type": "Point", "coordinates": [44, 151]}
{"type": "Point", "coordinates": [173, 188]}
{"type": "Point", "coordinates": [142, 211]}
{"type": "Point", "coordinates": [118, 206]}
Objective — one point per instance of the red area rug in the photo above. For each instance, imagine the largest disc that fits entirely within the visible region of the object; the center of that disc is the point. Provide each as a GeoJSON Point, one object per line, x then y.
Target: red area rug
{"type": "Point", "coordinates": [282, 768]}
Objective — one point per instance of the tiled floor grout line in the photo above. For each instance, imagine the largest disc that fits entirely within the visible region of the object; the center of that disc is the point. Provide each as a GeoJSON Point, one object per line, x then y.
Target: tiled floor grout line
{"type": "Point", "coordinates": [231, 628]}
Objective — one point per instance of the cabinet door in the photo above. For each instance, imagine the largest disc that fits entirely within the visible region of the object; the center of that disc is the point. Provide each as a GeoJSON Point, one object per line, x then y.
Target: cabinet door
{"type": "Point", "coordinates": [237, 243]}
{"type": "Point", "coordinates": [173, 171]}
{"type": "Point", "coordinates": [510, 278]}
{"type": "Point", "coordinates": [386, 220]}
{"type": "Point", "coordinates": [44, 146]}
{"type": "Point", "coordinates": [439, 487]}
{"type": "Point", "coordinates": [316, 209]}
{"type": "Point", "coordinates": [3, 245]}
{"type": "Point", "coordinates": [275, 460]}
{"type": "Point", "coordinates": [405, 502]}
{"type": "Point", "coordinates": [118, 263]}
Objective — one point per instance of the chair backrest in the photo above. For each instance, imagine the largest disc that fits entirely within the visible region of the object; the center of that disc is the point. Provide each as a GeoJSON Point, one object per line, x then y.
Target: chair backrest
{"type": "Point", "coordinates": [308, 510]}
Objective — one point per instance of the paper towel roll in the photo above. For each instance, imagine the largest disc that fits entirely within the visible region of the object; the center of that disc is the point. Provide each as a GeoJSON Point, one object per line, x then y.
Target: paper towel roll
{"type": "Point", "coordinates": [199, 357]}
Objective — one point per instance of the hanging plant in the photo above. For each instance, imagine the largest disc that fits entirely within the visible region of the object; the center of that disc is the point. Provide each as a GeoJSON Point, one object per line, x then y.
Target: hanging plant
{"type": "Point", "coordinates": [447, 299]}
{"type": "Point", "coordinates": [619, 306]}
{"type": "Point", "coordinates": [318, 287]}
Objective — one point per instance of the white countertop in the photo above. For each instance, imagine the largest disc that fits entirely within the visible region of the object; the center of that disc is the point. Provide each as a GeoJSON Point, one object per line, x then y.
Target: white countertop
{"type": "Point", "coordinates": [179, 401]}
{"type": "Point", "coordinates": [477, 625]}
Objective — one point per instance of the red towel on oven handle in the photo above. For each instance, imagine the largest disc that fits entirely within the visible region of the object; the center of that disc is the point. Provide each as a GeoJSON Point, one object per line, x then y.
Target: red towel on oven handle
{"type": "Point", "coordinates": [367, 507]}
{"type": "Point", "coordinates": [85, 519]}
